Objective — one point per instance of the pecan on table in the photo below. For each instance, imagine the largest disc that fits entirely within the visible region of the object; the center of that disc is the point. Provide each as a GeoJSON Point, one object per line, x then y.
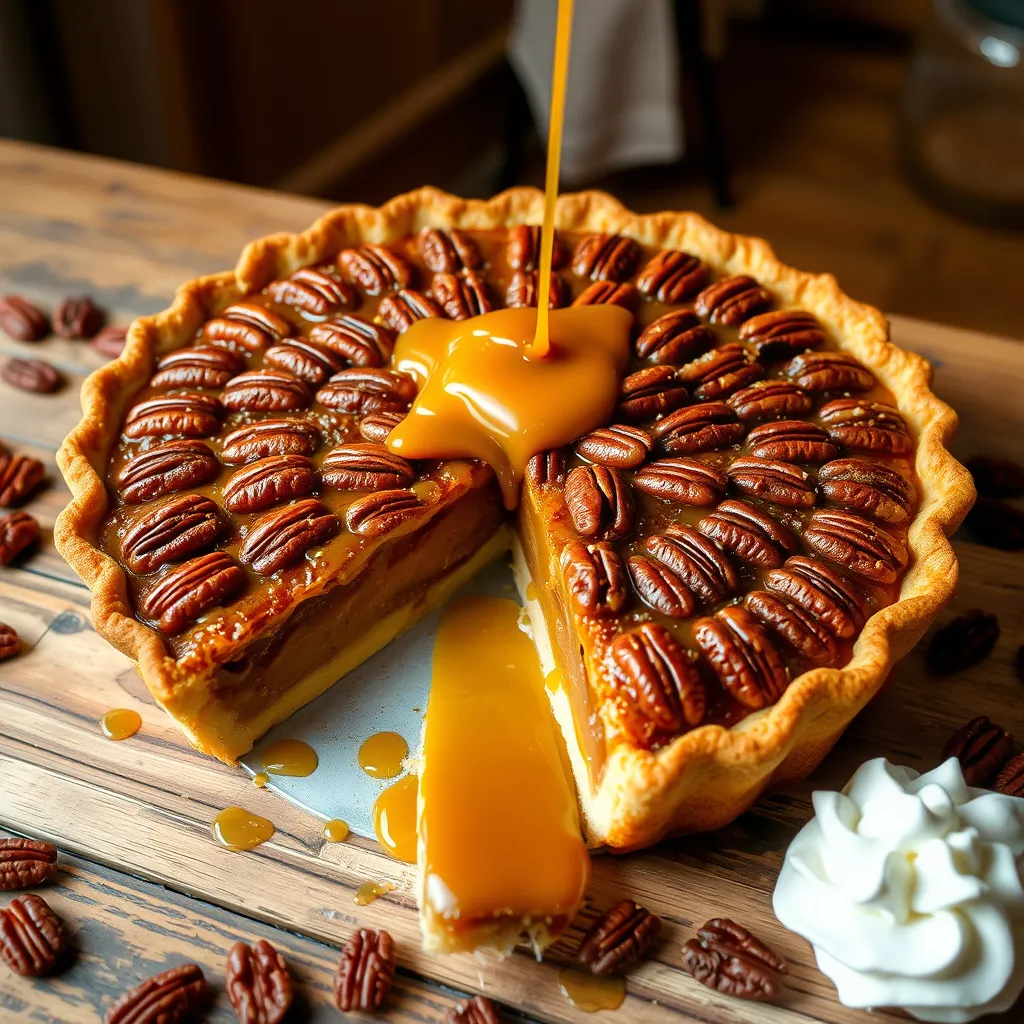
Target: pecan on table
{"type": "Point", "coordinates": [364, 466]}
{"type": "Point", "coordinates": [866, 426]}
{"type": "Point", "coordinates": [25, 863]}
{"type": "Point", "coordinates": [619, 446]}
{"type": "Point", "coordinates": [609, 293]}
{"type": "Point", "coordinates": [777, 482]}
{"type": "Point", "coordinates": [447, 251]}
{"type": "Point", "coordinates": [769, 399]}
{"type": "Point", "coordinates": [314, 291]}
{"type": "Point", "coordinates": [169, 531]}
{"type": "Point", "coordinates": [281, 537]}
{"type": "Point", "coordinates": [595, 578]}
{"type": "Point", "coordinates": [176, 996]}
{"type": "Point", "coordinates": [461, 295]}
{"type": "Point", "coordinates": [856, 545]}
{"type": "Point", "coordinates": [110, 341]}
{"type": "Point", "coordinates": [20, 475]}
{"type": "Point", "coordinates": [258, 983]}
{"type": "Point", "coordinates": [962, 643]}
{"type": "Point", "coordinates": [877, 491]}
{"type": "Point", "coordinates": [378, 425]}
{"type": "Point", "coordinates": [359, 341]}
{"type": "Point", "coordinates": [375, 269]}
{"type": "Point", "coordinates": [996, 478]}
{"type": "Point", "coordinates": [720, 372]}
{"type": "Point", "coordinates": [996, 524]}
{"type": "Point", "coordinates": [674, 338]}
{"type": "Point", "coordinates": [34, 375]}
{"type": "Point", "coordinates": [547, 468]}
{"type": "Point", "coordinates": [697, 560]}
{"type": "Point", "coordinates": [184, 593]}
{"type": "Point", "coordinates": [402, 309]}
{"type": "Point", "coordinates": [791, 441]}
{"type": "Point", "coordinates": [661, 587]}
{"type": "Point", "coordinates": [651, 392]}
{"type": "Point", "coordinates": [10, 645]}
{"type": "Point", "coordinates": [175, 466]}
{"type": "Point", "coordinates": [188, 414]}
{"type": "Point", "coordinates": [981, 747]}
{"type": "Point", "coordinates": [478, 1010]}
{"type": "Point", "coordinates": [522, 249]}
{"type": "Point", "coordinates": [605, 257]}
{"type": "Point", "coordinates": [77, 317]}
{"type": "Point", "coordinates": [366, 391]}
{"type": "Point", "coordinates": [821, 592]}
{"type": "Point", "coordinates": [727, 958]}
{"type": "Point", "coordinates": [600, 502]}
{"type": "Point", "coordinates": [748, 534]}
{"type": "Point", "coordinates": [31, 936]}
{"type": "Point", "coordinates": [808, 636]}
{"type": "Point", "coordinates": [828, 371]}
{"type": "Point", "coordinates": [201, 367]}
{"type": "Point", "coordinates": [20, 319]}
{"type": "Point", "coordinates": [1010, 778]}
{"type": "Point", "coordinates": [18, 532]}
{"type": "Point", "coordinates": [732, 300]}
{"type": "Point", "coordinates": [268, 482]}
{"type": "Point", "coordinates": [683, 480]}
{"type": "Point", "coordinates": [523, 290]}
{"type": "Point", "coordinates": [311, 361]}
{"type": "Point", "coordinates": [246, 326]}
{"type": "Point", "coordinates": [619, 938]}
{"type": "Point", "coordinates": [783, 333]}
{"type": "Point", "coordinates": [698, 428]}
{"type": "Point", "coordinates": [382, 512]}
{"type": "Point", "coordinates": [264, 438]}
{"type": "Point", "coordinates": [366, 971]}
{"type": "Point", "coordinates": [672, 276]}
{"type": "Point", "coordinates": [266, 391]}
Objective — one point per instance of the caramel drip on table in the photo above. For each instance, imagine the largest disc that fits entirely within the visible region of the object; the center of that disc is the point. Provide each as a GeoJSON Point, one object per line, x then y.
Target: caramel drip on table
{"type": "Point", "coordinates": [239, 829]}
{"type": "Point", "coordinates": [289, 757]}
{"type": "Point", "coordinates": [394, 819]}
{"type": "Point", "coordinates": [590, 993]}
{"type": "Point", "coordinates": [382, 754]}
{"type": "Point", "coordinates": [260, 780]}
{"type": "Point", "coordinates": [370, 891]}
{"type": "Point", "coordinates": [120, 723]}
{"type": "Point", "coordinates": [336, 830]}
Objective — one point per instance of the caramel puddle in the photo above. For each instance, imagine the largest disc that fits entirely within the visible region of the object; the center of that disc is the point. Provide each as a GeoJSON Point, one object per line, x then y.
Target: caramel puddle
{"type": "Point", "coordinates": [239, 829]}
{"type": "Point", "coordinates": [120, 723]}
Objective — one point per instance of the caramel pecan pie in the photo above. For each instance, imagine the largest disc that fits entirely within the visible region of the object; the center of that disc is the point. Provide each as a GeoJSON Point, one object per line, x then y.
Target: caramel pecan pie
{"type": "Point", "coordinates": [724, 573]}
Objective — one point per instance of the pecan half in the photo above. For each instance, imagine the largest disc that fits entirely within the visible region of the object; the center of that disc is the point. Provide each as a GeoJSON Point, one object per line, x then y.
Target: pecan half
{"type": "Point", "coordinates": [20, 475]}
{"type": "Point", "coordinates": [698, 428]}
{"type": "Point", "coordinates": [618, 938]}
{"type": "Point", "coordinates": [363, 466]}
{"type": "Point", "coordinates": [368, 391]}
{"type": "Point", "coordinates": [524, 288]}
{"type": "Point", "coordinates": [269, 437]}
{"type": "Point", "coordinates": [20, 319]}
{"type": "Point", "coordinates": [993, 523]}
{"type": "Point", "coordinates": [313, 291]}
{"type": "Point", "coordinates": [10, 645]}
{"type": "Point", "coordinates": [749, 534]}
{"type": "Point", "coordinates": [382, 512]}
{"type": "Point", "coordinates": [595, 578]}
{"type": "Point", "coordinates": [698, 561]}
{"type": "Point", "coordinates": [185, 592]}
{"type": "Point", "coordinates": [110, 341]}
{"type": "Point", "coordinates": [18, 532]}
{"type": "Point", "coordinates": [447, 251]}
{"type": "Point", "coordinates": [608, 293]}
{"type": "Point", "coordinates": [996, 478]}
{"type": "Point", "coordinates": [687, 481]}
{"type": "Point", "coordinates": [1010, 779]}
{"type": "Point", "coordinates": [522, 250]}
{"type": "Point", "coordinates": [359, 341]}
{"type": "Point", "coordinates": [821, 592]}
{"type": "Point", "coordinates": [478, 1010]}
{"type": "Point", "coordinates": [176, 996]}
{"type": "Point", "coordinates": [266, 391]}
{"type": "Point", "coordinates": [777, 482]}
{"type": "Point", "coordinates": [672, 276]}
{"type": "Point", "coordinates": [366, 971]}
{"type": "Point", "coordinates": [720, 372]}
{"type": "Point", "coordinates": [828, 371]}
{"type": "Point", "coordinates": [246, 326]}
{"type": "Point", "coordinates": [31, 936]}
{"type": "Point", "coordinates": [187, 414]}
{"type": "Point", "coordinates": [401, 310]}
{"type": "Point", "coordinates": [258, 983]}
{"type": "Point", "coordinates": [26, 863]}
{"type": "Point", "coordinates": [661, 588]}
{"type": "Point", "coordinates": [268, 482]}
{"type": "Point", "coordinates": [175, 466]}
{"type": "Point", "coordinates": [981, 747]}
{"type": "Point", "coordinates": [461, 295]}
{"type": "Point", "coordinates": [674, 338]}
{"type": "Point", "coordinates": [311, 361]}
{"type": "Point", "coordinates": [35, 375]}
{"type": "Point", "coordinates": [869, 487]}
{"type": "Point", "coordinates": [783, 333]}
{"type": "Point", "coordinates": [281, 537]}
{"type": "Point", "coordinates": [769, 399]}
{"type": "Point", "coordinates": [169, 531]}
{"type": "Point", "coordinates": [605, 257]}
{"type": "Point", "coordinates": [658, 690]}
{"type": "Point", "coordinates": [547, 468]}
{"type": "Point", "coordinates": [867, 426]}
{"type": "Point", "coordinates": [791, 441]}
{"type": "Point", "coordinates": [727, 958]}
{"type": "Point", "coordinates": [620, 446]}
{"type": "Point", "coordinates": [732, 300]}
{"type": "Point", "coordinates": [77, 317]}
{"type": "Point", "coordinates": [804, 633]}
{"type": "Point", "coordinates": [375, 269]}
{"type": "Point", "coordinates": [856, 545]}
{"type": "Point", "coordinates": [742, 656]}
{"type": "Point", "coordinates": [202, 367]}
{"type": "Point", "coordinates": [962, 643]}
{"type": "Point", "coordinates": [600, 502]}
{"type": "Point", "coordinates": [378, 425]}
{"type": "Point", "coordinates": [649, 393]}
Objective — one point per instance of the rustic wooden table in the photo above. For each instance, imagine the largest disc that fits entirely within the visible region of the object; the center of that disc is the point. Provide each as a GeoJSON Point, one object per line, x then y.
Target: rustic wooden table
{"type": "Point", "coordinates": [143, 886]}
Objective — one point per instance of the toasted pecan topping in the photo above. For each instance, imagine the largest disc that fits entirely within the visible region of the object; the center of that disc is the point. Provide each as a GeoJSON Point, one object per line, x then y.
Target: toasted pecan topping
{"type": "Point", "coordinates": [187, 414]}
{"type": "Point", "coordinates": [169, 531]}
{"type": "Point", "coordinates": [828, 371]}
{"type": "Point", "coordinates": [608, 293]}
{"type": "Point", "coordinates": [269, 437]}
{"type": "Point", "coordinates": [164, 469]}
{"type": "Point", "coordinates": [444, 252]}
{"type": "Point", "coordinates": [866, 426]}
{"type": "Point", "coordinates": [790, 441]}
{"type": "Point", "coordinates": [698, 428]}
{"type": "Point", "coordinates": [203, 366]}
{"type": "Point", "coordinates": [595, 578]}
{"type": "Point", "coordinates": [782, 333]}
{"type": "Point", "coordinates": [748, 534]}
{"type": "Point", "coordinates": [282, 536]}
{"type": "Point", "coordinates": [600, 502]}
{"type": "Point", "coordinates": [651, 392]}
{"type": "Point", "coordinates": [366, 466]}
{"type": "Point", "coordinates": [267, 482]}
{"type": "Point", "coordinates": [732, 300]}
{"type": "Point", "coordinates": [368, 391]}
{"type": "Point", "coordinates": [687, 481]}
{"type": "Point", "coordinates": [777, 482]}
{"type": "Point", "coordinates": [620, 446]}
{"type": "Point", "coordinates": [821, 592]}
{"type": "Point", "coordinates": [720, 372]}
{"type": "Point", "coordinates": [674, 338]}
{"type": "Point", "coordinates": [770, 399]}
{"type": "Point", "coordinates": [375, 269]}
{"type": "Point", "coordinates": [245, 326]}
{"type": "Point", "coordinates": [856, 545]}
{"type": "Point", "coordinates": [804, 633]}
{"type": "Point", "coordinates": [605, 257]}
{"type": "Point", "coordinates": [672, 276]}
{"type": "Point", "coordinates": [461, 295]}
{"type": "Point", "coordinates": [359, 341]}
{"type": "Point", "coordinates": [314, 291]}
{"type": "Point", "coordinates": [868, 487]}
{"type": "Point", "coordinates": [523, 290]}
{"type": "Point", "coordinates": [189, 590]}
{"type": "Point", "coordinates": [401, 310]}
{"type": "Point", "coordinates": [266, 391]}
{"type": "Point", "coordinates": [522, 250]}
{"type": "Point", "coordinates": [698, 561]}
{"type": "Point", "coordinates": [309, 360]}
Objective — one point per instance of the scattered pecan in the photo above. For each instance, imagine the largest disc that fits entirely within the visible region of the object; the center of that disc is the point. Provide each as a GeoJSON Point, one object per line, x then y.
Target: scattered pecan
{"type": "Point", "coordinates": [698, 561]}
{"type": "Point", "coordinates": [869, 487]}
{"type": "Point", "coordinates": [20, 475]}
{"type": "Point", "coordinates": [188, 414]}
{"type": "Point", "coordinates": [996, 478]}
{"type": "Point", "coordinates": [732, 300]}
{"type": "Point", "coordinates": [605, 257]}
{"type": "Point", "coordinates": [175, 466]}
{"type": "Point", "coordinates": [777, 482]}
{"type": "Point", "coordinates": [281, 537]}
{"type": "Point", "coordinates": [18, 532]}
{"type": "Point", "coordinates": [672, 276]}
{"type": "Point", "coordinates": [311, 361]}
{"type": "Point", "coordinates": [828, 371]}
{"type": "Point", "coordinates": [651, 392]}
{"type": "Point", "coordinates": [809, 637]}
{"type": "Point", "coordinates": [749, 534]}
{"type": "Point", "coordinates": [768, 399]}
{"type": "Point", "coordinates": [110, 341]}
{"type": "Point", "coordinates": [368, 391]}
{"type": "Point", "coordinates": [992, 523]}
{"type": "Point", "coordinates": [1010, 778]}
{"type": "Point", "coordinates": [619, 446]}
{"type": "Point", "coordinates": [313, 291]}
{"type": "Point", "coordinates": [698, 428]}
{"type": "Point", "coordinates": [402, 309]}
{"type": "Point", "coordinates": [674, 338]}
{"type": "Point", "coordinates": [855, 544]}
{"type": "Point", "coordinates": [176, 996]}
{"type": "Point", "coordinates": [269, 437]}
{"type": "Point", "coordinates": [461, 295]}
{"type": "Point", "coordinates": [547, 468]}
{"type": "Point", "coordinates": [687, 481]}
{"type": "Point", "coordinates": [258, 983]}
{"type": "Point", "coordinates": [867, 426]}
{"type": "Point", "coordinates": [359, 341]}
{"type": "Point", "coordinates": [981, 747]}
{"type": "Point", "coordinates": [720, 372]}
{"type": "Point", "coordinates": [77, 318]}
{"type": "Point", "coordinates": [600, 502]}
{"type": "Point", "coordinates": [447, 251]}
{"type": "Point", "coordinates": [608, 293]}
{"type": "Point", "coordinates": [783, 333]}
{"type": "Point", "coordinates": [382, 512]}
{"type": "Point", "coordinates": [10, 645]}
{"type": "Point", "coordinates": [364, 466]}
{"type": "Point", "coordinates": [31, 936]}
{"type": "Point", "coordinates": [378, 425]}
{"type": "Point", "coordinates": [962, 643]}
{"type": "Point", "coordinates": [479, 1010]}
{"type": "Point", "coordinates": [20, 319]}
{"type": "Point", "coordinates": [821, 592]}
{"type": "Point", "coordinates": [658, 689]}
{"type": "Point", "coordinates": [791, 441]}
{"type": "Point", "coordinates": [169, 531]}
{"type": "Point", "coordinates": [26, 863]}
{"type": "Point", "coordinates": [524, 289]}
{"type": "Point", "coordinates": [661, 588]}
{"type": "Point", "coordinates": [366, 971]}
{"type": "Point", "coordinates": [375, 269]}
{"type": "Point", "coordinates": [727, 958]}
{"type": "Point", "coordinates": [266, 391]}
{"type": "Point", "coordinates": [246, 326]}
{"type": "Point", "coordinates": [32, 375]}
{"type": "Point", "coordinates": [267, 482]}
{"type": "Point", "coordinates": [185, 592]}
{"type": "Point", "coordinates": [203, 367]}
{"type": "Point", "coordinates": [595, 578]}
{"type": "Point", "coordinates": [522, 250]}
{"type": "Point", "coordinates": [619, 938]}
{"type": "Point", "coordinates": [743, 657]}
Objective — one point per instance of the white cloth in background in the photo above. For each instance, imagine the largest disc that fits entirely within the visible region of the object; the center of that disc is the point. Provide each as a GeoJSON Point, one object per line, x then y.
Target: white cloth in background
{"type": "Point", "coordinates": [622, 105]}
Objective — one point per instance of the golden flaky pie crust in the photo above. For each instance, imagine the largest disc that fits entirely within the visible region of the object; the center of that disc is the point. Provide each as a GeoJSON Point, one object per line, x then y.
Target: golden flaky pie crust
{"type": "Point", "coordinates": [706, 777]}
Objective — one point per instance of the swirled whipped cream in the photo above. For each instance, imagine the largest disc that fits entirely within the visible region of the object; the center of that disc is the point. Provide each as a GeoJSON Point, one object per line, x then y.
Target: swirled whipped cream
{"type": "Point", "coordinates": [909, 888]}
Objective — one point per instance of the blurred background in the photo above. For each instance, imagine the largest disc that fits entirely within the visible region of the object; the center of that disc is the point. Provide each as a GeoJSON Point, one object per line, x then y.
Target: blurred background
{"type": "Point", "coordinates": [882, 140]}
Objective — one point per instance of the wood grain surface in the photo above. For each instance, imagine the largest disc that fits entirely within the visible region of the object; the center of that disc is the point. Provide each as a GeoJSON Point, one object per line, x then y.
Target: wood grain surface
{"type": "Point", "coordinates": [142, 808]}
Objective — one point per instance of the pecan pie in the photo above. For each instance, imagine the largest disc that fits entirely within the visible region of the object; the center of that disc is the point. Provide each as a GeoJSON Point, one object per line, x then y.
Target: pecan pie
{"type": "Point", "coordinates": [723, 573]}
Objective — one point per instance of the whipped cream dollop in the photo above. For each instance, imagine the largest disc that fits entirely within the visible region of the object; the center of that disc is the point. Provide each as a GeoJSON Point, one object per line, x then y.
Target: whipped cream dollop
{"type": "Point", "coordinates": [909, 888]}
